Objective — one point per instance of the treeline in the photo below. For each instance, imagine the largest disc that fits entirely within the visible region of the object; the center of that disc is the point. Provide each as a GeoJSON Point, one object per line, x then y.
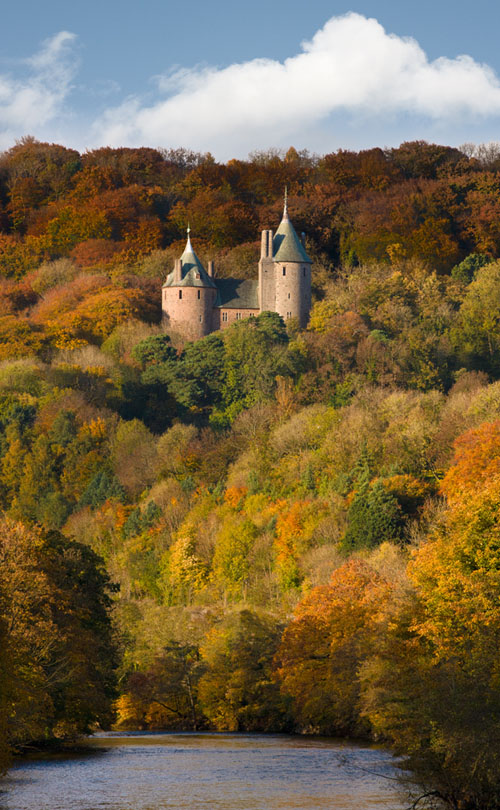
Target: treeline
{"type": "Point", "coordinates": [108, 207]}
{"type": "Point", "coordinates": [268, 529]}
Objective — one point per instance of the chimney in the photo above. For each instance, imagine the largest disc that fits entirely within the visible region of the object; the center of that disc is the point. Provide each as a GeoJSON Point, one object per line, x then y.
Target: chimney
{"type": "Point", "coordinates": [263, 245]}
{"type": "Point", "coordinates": [177, 271]}
{"type": "Point", "coordinates": [211, 269]}
{"type": "Point", "coordinates": [270, 244]}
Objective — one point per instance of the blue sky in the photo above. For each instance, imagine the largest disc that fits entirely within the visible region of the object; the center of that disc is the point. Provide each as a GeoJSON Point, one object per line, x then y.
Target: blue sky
{"type": "Point", "coordinates": [233, 77]}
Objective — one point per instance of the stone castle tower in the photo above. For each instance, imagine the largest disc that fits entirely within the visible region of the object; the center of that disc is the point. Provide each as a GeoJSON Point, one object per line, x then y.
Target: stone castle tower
{"type": "Point", "coordinates": [195, 303]}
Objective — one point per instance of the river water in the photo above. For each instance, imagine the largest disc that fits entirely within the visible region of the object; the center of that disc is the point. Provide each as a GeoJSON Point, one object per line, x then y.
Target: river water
{"type": "Point", "coordinates": [143, 771]}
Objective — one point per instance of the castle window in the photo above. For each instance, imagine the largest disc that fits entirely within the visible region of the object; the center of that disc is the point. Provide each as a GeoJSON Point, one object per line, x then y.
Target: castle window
{"type": "Point", "coordinates": [199, 294]}
{"type": "Point", "coordinates": [238, 316]}
{"type": "Point", "coordinates": [180, 293]}
{"type": "Point", "coordinates": [224, 316]}
{"type": "Point", "coordinates": [289, 295]}
{"type": "Point", "coordinates": [284, 271]}
{"type": "Point", "coordinates": [198, 275]}
{"type": "Point", "coordinates": [304, 271]}
{"type": "Point", "coordinates": [200, 318]}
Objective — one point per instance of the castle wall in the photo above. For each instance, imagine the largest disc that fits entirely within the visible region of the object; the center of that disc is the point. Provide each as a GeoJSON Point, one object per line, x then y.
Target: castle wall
{"type": "Point", "coordinates": [222, 318]}
{"type": "Point", "coordinates": [191, 313]}
{"type": "Point", "coordinates": [293, 291]}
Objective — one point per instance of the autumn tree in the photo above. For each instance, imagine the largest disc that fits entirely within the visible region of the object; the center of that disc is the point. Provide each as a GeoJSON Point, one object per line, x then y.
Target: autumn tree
{"type": "Point", "coordinates": [168, 691]}
{"type": "Point", "coordinates": [432, 687]}
{"type": "Point", "coordinates": [238, 691]}
{"type": "Point", "coordinates": [57, 597]}
{"type": "Point", "coordinates": [332, 633]}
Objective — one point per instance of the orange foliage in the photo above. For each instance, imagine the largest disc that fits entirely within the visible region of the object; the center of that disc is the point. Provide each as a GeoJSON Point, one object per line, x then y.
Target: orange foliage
{"type": "Point", "coordinates": [94, 252]}
{"type": "Point", "coordinates": [234, 496]}
{"type": "Point", "coordinates": [333, 630]}
{"type": "Point", "coordinates": [91, 307]}
{"type": "Point", "coordinates": [476, 462]}
{"type": "Point", "coordinates": [15, 297]}
{"type": "Point", "coordinates": [295, 526]}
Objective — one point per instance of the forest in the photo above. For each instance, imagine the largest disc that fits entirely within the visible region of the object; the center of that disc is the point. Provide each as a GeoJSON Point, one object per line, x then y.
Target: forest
{"type": "Point", "coordinates": [269, 529]}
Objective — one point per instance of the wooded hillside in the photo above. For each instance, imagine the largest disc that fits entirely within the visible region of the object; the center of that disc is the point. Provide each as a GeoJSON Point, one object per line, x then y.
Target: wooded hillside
{"type": "Point", "coordinates": [268, 529]}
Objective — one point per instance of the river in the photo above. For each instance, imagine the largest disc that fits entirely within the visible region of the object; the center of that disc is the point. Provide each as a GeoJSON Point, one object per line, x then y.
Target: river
{"type": "Point", "coordinates": [142, 771]}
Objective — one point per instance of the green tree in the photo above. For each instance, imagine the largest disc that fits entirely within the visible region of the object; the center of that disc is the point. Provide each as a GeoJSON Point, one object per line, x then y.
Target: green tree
{"type": "Point", "coordinates": [467, 269]}
{"type": "Point", "coordinates": [256, 353]}
{"type": "Point", "coordinates": [154, 350]}
{"type": "Point", "coordinates": [195, 378]}
{"type": "Point", "coordinates": [374, 516]}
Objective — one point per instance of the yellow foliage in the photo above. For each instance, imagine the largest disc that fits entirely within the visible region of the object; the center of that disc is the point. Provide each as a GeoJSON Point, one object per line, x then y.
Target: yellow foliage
{"type": "Point", "coordinates": [130, 711]}
{"type": "Point", "coordinates": [183, 569]}
{"type": "Point", "coordinates": [321, 315]}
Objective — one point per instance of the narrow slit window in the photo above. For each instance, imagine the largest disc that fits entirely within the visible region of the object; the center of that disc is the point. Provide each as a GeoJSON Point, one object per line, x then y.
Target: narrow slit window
{"type": "Point", "coordinates": [199, 294]}
{"type": "Point", "coordinates": [180, 293]}
{"type": "Point", "coordinates": [284, 271]}
{"type": "Point", "coordinates": [304, 271]}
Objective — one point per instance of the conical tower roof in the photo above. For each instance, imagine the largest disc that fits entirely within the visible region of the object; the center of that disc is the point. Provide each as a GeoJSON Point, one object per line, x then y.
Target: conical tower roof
{"type": "Point", "coordinates": [193, 272]}
{"type": "Point", "coordinates": [287, 246]}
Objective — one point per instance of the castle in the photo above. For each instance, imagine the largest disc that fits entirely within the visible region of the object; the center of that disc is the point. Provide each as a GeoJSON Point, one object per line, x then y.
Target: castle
{"type": "Point", "coordinates": [195, 303]}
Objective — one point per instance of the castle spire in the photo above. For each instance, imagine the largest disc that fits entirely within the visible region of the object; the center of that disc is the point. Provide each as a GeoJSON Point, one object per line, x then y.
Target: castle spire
{"type": "Point", "coordinates": [285, 207]}
{"type": "Point", "coordinates": [188, 243]}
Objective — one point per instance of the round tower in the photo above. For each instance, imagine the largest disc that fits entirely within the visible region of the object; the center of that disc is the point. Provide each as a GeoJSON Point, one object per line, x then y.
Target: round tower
{"type": "Point", "coordinates": [188, 297]}
{"type": "Point", "coordinates": [292, 273]}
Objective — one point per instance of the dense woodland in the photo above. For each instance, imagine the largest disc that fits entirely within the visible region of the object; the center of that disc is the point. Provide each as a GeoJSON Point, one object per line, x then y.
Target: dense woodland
{"type": "Point", "coordinates": [268, 529]}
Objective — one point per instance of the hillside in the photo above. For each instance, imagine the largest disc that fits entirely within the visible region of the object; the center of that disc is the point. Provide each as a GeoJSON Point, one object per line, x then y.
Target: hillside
{"type": "Point", "coordinates": [269, 528]}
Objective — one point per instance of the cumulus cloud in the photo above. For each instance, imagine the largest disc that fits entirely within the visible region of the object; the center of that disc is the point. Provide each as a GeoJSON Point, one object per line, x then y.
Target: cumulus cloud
{"type": "Point", "coordinates": [352, 78]}
{"type": "Point", "coordinates": [36, 98]}
{"type": "Point", "coordinates": [351, 66]}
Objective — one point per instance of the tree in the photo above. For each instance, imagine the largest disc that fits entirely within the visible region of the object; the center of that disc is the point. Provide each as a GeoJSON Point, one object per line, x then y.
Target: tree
{"type": "Point", "coordinates": [237, 690]}
{"type": "Point", "coordinates": [374, 516]}
{"type": "Point", "coordinates": [333, 631]}
{"type": "Point", "coordinates": [467, 269]}
{"type": "Point", "coordinates": [194, 378]}
{"type": "Point", "coordinates": [256, 353]}
{"type": "Point", "coordinates": [432, 686]}
{"type": "Point", "coordinates": [154, 350]}
{"type": "Point", "coordinates": [478, 329]}
{"type": "Point", "coordinates": [231, 564]}
{"type": "Point", "coordinates": [57, 598]}
{"type": "Point", "coordinates": [168, 691]}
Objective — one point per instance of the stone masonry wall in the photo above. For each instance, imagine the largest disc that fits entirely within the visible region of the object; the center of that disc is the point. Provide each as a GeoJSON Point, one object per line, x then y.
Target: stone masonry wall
{"type": "Point", "coordinates": [293, 291]}
{"type": "Point", "coordinates": [222, 318]}
{"type": "Point", "coordinates": [191, 313]}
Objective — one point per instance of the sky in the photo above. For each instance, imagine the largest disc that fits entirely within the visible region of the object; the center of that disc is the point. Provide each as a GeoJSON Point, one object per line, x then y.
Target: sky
{"type": "Point", "coordinates": [232, 78]}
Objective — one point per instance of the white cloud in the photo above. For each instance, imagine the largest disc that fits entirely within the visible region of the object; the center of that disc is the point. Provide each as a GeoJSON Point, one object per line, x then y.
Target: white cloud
{"type": "Point", "coordinates": [350, 67]}
{"type": "Point", "coordinates": [31, 101]}
{"type": "Point", "coordinates": [351, 85]}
